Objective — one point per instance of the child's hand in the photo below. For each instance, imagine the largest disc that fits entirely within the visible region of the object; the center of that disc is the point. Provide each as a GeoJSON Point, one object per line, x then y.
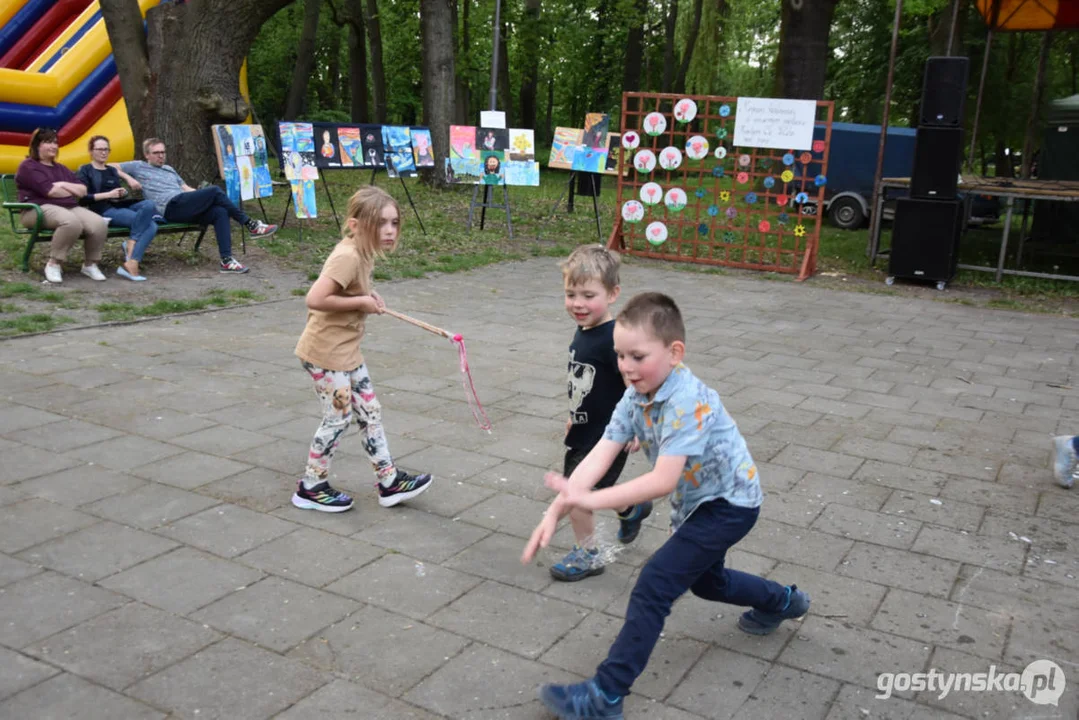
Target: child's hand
{"type": "Point", "coordinates": [568, 494]}
{"type": "Point", "coordinates": [633, 445]}
{"type": "Point", "coordinates": [569, 425]}
{"type": "Point", "coordinates": [379, 302]}
{"type": "Point", "coordinates": [541, 536]}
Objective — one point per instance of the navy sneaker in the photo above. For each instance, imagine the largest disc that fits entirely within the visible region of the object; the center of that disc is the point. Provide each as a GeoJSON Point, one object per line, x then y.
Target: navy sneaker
{"type": "Point", "coordinates": [757, 622]}
{"type": "Point", "coordinates": [578, 564]}
{"type": "Point", "coordinates": [630, 523]}
{"type": "Point", "coordinates": [404, 487]}
{"type": "Point", "coordinates": [321, 497]}
{"type": "Point", "coordinates": [1065, 461]}
{"type": "Point", "coordinates": [580, 701]}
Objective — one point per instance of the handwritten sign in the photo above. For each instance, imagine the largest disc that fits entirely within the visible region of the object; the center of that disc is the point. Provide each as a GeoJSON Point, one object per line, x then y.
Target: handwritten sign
{"type": "Point", "coordinates": [775, 124]}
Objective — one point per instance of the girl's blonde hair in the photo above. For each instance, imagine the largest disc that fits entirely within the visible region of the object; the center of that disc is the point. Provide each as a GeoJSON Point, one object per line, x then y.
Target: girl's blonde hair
{"type": "Point", "coordinates": [365, 207]}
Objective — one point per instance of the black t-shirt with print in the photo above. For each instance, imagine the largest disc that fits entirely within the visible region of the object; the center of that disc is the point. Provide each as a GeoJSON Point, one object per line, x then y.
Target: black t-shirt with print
{"type": "Point", "coordinates": [595, 385]}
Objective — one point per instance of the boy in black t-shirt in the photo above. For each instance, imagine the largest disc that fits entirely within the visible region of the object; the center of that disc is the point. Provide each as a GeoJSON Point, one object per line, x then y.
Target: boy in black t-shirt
{"type": "Point", "coordinates": [590, 276]}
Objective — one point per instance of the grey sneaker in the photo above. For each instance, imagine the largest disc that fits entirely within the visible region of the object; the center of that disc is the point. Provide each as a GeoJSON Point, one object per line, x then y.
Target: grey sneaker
{"type": "Point", "coordinates": [1065, 461]}
{"type": "Point", "coordinates": [757, 622]}
{"type": "Point", "coordinates": [578, 564]}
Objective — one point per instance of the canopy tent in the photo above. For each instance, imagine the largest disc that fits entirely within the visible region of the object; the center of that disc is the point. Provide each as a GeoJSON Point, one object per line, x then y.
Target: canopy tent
{"type": "Point", "coordinates": [1012, 15]}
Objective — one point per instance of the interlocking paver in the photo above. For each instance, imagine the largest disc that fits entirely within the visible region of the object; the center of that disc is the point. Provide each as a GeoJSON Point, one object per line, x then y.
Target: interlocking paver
{"type": "Point", "coordinates": [903, 446]}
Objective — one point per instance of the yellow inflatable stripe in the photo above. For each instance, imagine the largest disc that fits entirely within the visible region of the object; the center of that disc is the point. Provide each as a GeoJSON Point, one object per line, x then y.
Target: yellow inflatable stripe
{"type": "Point", "coordinates": [113, 124]}
{"type": "Point", "coordinates": [54, 47]}
{"type": "Point", "coordinates": [8, 8]}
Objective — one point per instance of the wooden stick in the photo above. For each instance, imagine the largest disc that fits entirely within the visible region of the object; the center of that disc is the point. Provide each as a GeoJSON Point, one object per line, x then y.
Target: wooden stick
{"type": "Point", "coordinates": [420, 324]}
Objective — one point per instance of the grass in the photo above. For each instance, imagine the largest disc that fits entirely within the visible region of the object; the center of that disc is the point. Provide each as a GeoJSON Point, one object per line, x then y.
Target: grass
{"type": "Point", "coordinates": [113, 311]}
{"type": "Point", "coordinates": [26, 323]}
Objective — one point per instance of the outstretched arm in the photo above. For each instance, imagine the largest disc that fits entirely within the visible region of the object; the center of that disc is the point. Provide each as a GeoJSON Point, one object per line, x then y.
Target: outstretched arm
{"type": "Point", "coordinates": [660, 481]}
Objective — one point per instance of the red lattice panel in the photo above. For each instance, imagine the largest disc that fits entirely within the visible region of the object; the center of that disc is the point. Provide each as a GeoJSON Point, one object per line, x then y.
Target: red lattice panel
{"type": "Point", "coordinates": [725, 221]}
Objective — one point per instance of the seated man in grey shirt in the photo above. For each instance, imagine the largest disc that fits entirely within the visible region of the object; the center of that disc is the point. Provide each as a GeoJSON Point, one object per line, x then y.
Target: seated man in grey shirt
{"type": "Point", "coordinates": [178, 202]}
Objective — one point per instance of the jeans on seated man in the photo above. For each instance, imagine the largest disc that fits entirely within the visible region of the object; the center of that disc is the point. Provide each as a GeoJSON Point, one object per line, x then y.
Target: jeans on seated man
{"type": "Point", "coordinates": [178, 202]}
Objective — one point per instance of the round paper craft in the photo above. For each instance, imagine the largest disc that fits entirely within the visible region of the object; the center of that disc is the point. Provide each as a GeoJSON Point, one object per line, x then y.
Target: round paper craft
{"type": "Point", "coordinates": [721, 152]}
{"type": "Point", "coordinates": [630, 140]}
{"type": "Point", "coordinates": [632, 211]}
{"type": "Point", "coordinates": [654, 123]}
{"type": "Point", "coordinates": [805, 158]}
{"type": "Point", "coordinates": [644, 161]}
{"type": "Point", "coordinates": [670, 158]}
{"type": "Point", "coordinates": [744, 160]}
{"type": "Point", "coordinates": [656, 233]}
{"type": "Point", "coordinates": [651, 193]}
{"type": "Point", "coordinates": [697, 147]}
{"type": "Point", "coordinates": [675, 199]}
{"type": "Point", "coordinates": [685, 110]}
{"type": "Point", "coordinates": [818, 146]}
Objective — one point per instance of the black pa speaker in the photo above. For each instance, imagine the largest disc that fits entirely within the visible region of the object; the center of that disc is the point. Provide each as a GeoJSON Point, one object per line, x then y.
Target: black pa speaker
{"type": "Point", "coordinates": [943, 92]}
{"type": "Point", "coordinates": [937, 156]}
{"type": "Point", "coordinates": [925, 239]}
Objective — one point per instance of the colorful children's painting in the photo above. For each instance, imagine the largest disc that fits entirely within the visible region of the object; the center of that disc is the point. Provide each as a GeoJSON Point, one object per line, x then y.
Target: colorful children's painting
{"type": "Point", "coordinates": [522, 146]}
{"type": "Point", "coordinates": [464, 171]}
{"type": "Point", "coordinates": [521, 172]}
{"type": "Point", "coordinates": [245, 144]}
{"type": "Point", "coordinates": [422, 152]}
{"type": "Point", "coordinates": [305, 137]}
{"type": "Point", "coordinates": [613, 165]}
{"type": "Point", "coordinates": [463, 142]}
{"type": "Point", "coordinates": [596, 126]}
{"type": "Point", "coordinates": [247, 176]}
{"type": "Point", "coordinates": [242, 161]}
{"type": "Point", "coordinates": [298, 160]}
{"type": "Point", "coordinates": [492, 139]}
{"type": "Point", "coordinates": [371, 141]}
{"type": "Point", "coordinates": [397, 144]}
{"type": "Point", "coordinates": [589, 159]}
{"type": "Point", "coordinates": [564, 146]}
{"type": "Point", "coordinates": [348, 140]}
{"type": "Point", "coordinates": [327, 147]}
{"type": "Point", "coordinates": [492, 167]}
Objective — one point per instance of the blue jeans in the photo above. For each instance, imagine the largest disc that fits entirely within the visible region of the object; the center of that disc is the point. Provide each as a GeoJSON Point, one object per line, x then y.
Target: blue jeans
{"type": "Point", "coordinates": [140, 218]}
{"type": "Point", "coordinates": [207, 206]}
{"type": "Point", "coordinates": [691, 559]}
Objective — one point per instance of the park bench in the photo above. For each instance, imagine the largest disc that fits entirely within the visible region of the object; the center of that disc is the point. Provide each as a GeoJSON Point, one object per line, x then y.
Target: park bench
{"type": "Point", "coordinates": [38, 233]}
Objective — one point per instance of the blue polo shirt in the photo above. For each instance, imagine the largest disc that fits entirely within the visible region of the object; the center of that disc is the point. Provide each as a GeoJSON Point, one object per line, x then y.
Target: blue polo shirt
{"type": "Point", "coordinates": [687, 418]}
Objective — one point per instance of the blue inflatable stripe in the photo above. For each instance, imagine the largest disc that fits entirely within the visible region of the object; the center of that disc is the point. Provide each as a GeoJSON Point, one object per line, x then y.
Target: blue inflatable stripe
{"type": "Point", "coordinates": [21, 22]}
{"type": "Point", "coordinates": [16, 117]}
{"type": "Point", "coordinates": [71, 41]}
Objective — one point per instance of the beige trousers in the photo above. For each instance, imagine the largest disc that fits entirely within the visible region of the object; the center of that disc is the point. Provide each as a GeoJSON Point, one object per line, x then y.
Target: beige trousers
{"type": "Point", "coordinates": [67, 225]}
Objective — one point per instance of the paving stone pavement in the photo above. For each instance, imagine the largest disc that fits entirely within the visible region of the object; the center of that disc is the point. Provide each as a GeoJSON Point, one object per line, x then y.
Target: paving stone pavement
{"type": "Point", "coordinates": [151, 565]}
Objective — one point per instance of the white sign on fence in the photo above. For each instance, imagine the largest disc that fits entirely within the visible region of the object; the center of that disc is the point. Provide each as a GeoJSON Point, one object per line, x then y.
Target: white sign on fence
{"type": "Point", "coordinates": [774, 123]}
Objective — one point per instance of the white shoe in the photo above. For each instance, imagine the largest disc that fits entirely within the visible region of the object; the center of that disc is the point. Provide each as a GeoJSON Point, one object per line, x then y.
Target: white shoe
{"type": "Point", "coordinates": [53, 273]}
{"type": "Point", "coordinates": [92, 272]}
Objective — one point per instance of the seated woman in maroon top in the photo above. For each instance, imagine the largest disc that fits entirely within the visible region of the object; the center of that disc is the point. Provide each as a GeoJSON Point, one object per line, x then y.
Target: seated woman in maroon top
{"type": "Point", "coordinates": [43, 181]}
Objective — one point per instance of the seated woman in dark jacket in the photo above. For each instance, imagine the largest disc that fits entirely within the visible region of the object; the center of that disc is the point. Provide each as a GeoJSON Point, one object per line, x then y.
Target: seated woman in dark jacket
{"type": "Point", "coordinates": [43, 181]}
{"type": "Point", "coordinates": [107, 197]}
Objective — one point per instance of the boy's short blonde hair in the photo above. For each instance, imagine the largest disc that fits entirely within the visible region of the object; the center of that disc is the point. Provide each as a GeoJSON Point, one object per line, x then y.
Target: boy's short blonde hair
{"type": "Point", "coordinates": [657, 313]}
{"type": "Point", "coordinates": [592, 262]}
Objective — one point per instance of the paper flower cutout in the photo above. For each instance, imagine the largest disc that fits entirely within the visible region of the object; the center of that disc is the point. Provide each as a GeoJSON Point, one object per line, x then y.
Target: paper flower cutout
{"type": "Point", "coordinates": [783, 218]}
{"type": "Point", "coordinates": [782, 199]}
{"type": "Point", "coordinates": [632, 211]}
{"type": "Point", "coordinates": [724, 110]}
{"type": "Point", "coordinates": [724, 195]}
{"type": "Point", "coordinates": [630, 140]}
{"type": "Point", "coordinates": [685, 110]}
{"type": "Point", "coordinates": [801, 197]}
{"type": "Point", "coordinates": [788, 159]}
{"type": "Point", "coordinates": [744, 160]}
{"type": "Point", "coordinates": [818, 146]}
{"type": "Point", "coordinates": [675, 199]}
{"type": "Point", "coordinates": [764, 163]}
{"type": "Point", "coordinates": [654, 123]}
{"type": "Point", "coordinates": [820, 181]}
{"type": "Point", "coordinates": [721, 132]}
{"type": "Point", "coordinates": [700, 192]}
{"type": "Point", "coordinates": [721, 152]}
{"type": "Point", "coordinates": [670, 158]}
{"type": "Point", "coordinates": [656, 233]}
{"type": "Point", "coordinates": [769, 182]}
{"type": "Point", "coordinates": [764, 226]}
{"type": "Point", "coordinates": [697, 147]}
{"type": "Point", "coordinates": [713, 210]}
{"type": "Point", "coordinates": [787, 176]}
{"type": "Point", "coordinates": [742, 178]}
{"type": "Point", "coordinates": [731, 213]}
{"type": "Point", "coordinates": [651, 193]}
{"type": "Point", "coordinates": [799, 230]}
{"type": "Point", "coordinates": [702, 229]}
{"type": "Point", "coordinates": [717, 171]}
{"type": "Point", "coordinates": [729, 236]}
{"type": "Point", "coordinates": [751, 198]}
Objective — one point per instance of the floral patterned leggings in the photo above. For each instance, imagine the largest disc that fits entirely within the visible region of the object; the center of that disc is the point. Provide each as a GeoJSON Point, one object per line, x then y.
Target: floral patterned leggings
{"type": "Point", "coordinates": [342, 393]}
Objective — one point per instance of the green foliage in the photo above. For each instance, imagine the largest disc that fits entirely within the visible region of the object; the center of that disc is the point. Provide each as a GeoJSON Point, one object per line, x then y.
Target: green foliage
{"type": "Point", "coordinates": [123, 311]}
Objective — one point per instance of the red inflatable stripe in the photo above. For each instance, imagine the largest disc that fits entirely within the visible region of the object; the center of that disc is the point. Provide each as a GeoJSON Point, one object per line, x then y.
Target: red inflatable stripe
{"type": "Point", "coordinates": [55, 20]}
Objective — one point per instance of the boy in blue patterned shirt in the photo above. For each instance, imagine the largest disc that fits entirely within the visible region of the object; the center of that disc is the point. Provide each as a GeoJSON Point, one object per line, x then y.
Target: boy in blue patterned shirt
{"type": "Point", "coordinates": [702, 461]}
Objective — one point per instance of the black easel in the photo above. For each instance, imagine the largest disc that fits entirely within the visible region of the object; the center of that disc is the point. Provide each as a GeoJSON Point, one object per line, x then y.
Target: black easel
{"type": "Point", "coordinates": [374, 171]}
{"type": "Point", "coordinates": [569, 203]}
{"type": "Point", "coordinates": [488, 202]}
{"type": "Point", "coordinates": [288, 203]}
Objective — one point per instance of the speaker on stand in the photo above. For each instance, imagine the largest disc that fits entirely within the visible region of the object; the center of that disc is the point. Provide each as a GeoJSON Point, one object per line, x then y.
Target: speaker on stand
{"type": "Point", "coordinates": [928, 224]}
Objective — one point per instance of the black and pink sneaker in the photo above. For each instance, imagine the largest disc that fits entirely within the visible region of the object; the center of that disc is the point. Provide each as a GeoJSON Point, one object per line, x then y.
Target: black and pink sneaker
{"type": "Point", "coordinates": [404, 487]}
{"type": "Point", "coordinates": [322, 497]}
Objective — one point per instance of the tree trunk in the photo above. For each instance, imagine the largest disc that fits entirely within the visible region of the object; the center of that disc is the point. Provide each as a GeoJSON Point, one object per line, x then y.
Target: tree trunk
{"type": "Point", "coordinates": [378, 72]}
{"type": "Point", "coordinates": [670, 23]}
{"type": "Point", "coordinates": [802, 65]}
{"type": "Point", "coordinates": [296, 102]}
{"type": "Point", "coordinates": [333, 73]}
{"type": "Point", "coordinates": [436, 28]}
{"type": "Point", "coordinates": [631, 70]}
{"type": "Point", "coordinates": [505, 97]}
{"type": "Point", "coordinates": [548, 123]}
{"type": "Point", "coordinates": [1036, 107]}
{"type": "Point", "coordinates": [183, 74]}
{"type": "Point", "coordinates": [357, 64]}
{"type": "Point", "coordinates": [691, 43]}
{"type": "Point", "coordinates": [530, 39]}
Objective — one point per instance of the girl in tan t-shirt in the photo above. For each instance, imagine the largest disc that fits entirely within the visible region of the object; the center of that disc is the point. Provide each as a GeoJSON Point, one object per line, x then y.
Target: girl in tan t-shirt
{"type": "Point", "coordinates": [337, 305]}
